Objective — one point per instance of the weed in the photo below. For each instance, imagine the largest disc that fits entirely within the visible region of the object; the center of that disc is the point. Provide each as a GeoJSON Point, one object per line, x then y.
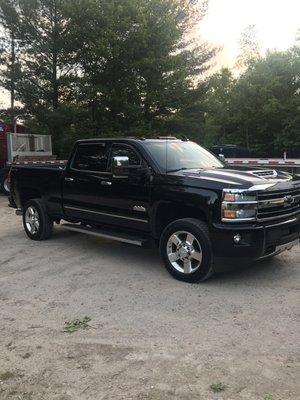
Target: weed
{"type": "Point", "coordinates": [75, 324]}
{"type": "Point", "coordinates": [4, 376]}
{"type": "Point", "coordinates": [217, 387]}
{"type": "Point", "coordinates": [268, 397]}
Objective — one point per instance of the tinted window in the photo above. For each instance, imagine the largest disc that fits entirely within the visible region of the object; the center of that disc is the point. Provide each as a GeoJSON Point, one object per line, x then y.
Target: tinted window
{"type": "Point", "coordinates": [91, 157]}
{"type": "Point", "coordinates": [127, 152]}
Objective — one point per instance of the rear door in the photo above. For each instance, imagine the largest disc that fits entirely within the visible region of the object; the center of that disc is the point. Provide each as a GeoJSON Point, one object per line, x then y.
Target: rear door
{"type": "Point", "coordinates": [86, 185]}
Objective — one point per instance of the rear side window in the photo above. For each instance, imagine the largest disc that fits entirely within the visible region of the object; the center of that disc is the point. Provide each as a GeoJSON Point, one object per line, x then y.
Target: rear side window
{"type": "Point", "coordinates": [91, 157]}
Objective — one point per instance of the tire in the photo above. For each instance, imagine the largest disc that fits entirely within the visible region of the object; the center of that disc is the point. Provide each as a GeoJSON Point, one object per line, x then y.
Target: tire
{"type": "Point", "coordinates": [37, 223]}
{"type": "Point", "coordinates": [4, 185]}
{"type": "Point", "coordinates": [186, 250]}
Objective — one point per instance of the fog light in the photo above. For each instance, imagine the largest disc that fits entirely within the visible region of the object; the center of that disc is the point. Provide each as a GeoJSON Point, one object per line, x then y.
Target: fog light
{"type": "Point", "coordinates": [237, 238]}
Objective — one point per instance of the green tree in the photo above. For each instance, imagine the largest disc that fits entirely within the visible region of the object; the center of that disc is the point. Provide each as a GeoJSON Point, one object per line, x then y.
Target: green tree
{"type": "Point", "coordinates": [138, 72]}
{"type": "Point", "coordinates": [99, 67]}
{"type": "Point", "coordinates": [260, 108]}
{"type": "Point", "coordinates": [44, 61]}
{"type": "Point", "coordinates": [9, 51]}
{"type": "Point", "coordinates": [218, 126]}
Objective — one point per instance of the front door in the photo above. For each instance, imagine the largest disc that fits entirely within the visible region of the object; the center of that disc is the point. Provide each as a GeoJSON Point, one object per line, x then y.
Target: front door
{"type": "Point", "coordinates": [130, 194]}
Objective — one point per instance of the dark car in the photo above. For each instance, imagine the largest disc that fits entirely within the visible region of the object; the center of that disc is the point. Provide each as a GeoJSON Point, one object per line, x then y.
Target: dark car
{"type": "Point", "coordinates": [166, 192]}
{"type": "Point", "coordinates": [231, 151]}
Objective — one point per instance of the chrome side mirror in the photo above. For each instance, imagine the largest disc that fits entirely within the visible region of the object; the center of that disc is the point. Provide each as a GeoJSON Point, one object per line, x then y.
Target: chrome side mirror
{"type": "Point", "coordinates": [222, 157]}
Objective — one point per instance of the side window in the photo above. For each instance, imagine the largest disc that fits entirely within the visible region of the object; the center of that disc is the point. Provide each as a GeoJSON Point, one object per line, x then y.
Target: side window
{"type": "Point", "coordinates": [91, 157]}
{"type": "Point", "coordinates": [128, 156]}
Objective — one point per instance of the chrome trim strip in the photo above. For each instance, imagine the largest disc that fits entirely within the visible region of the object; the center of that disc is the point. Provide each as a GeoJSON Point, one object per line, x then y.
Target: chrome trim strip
{"type": "Point", "coordinates": [235, 220]}
{"type": "Point", "coordinates": [107, 214]}
{"type": "Point", "coordinates": [277, 201]}
{"type": "Point", "coordinates": [239, 202]}
{"type": "Point", "coordinates": [282, 223]}
{"type": "Point", "coordinates": [278, 216]}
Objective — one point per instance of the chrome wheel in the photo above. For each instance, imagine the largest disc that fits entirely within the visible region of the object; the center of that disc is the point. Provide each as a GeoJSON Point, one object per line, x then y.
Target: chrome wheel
{"type": "Point", "coordinates": [32, 220]}
{"type": "Point", "coordinates": [184, 252]}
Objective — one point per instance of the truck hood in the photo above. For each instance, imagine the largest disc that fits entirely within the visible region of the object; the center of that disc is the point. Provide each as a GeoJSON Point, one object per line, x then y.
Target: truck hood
{"type": "Point", "coordinates": [230, 178]}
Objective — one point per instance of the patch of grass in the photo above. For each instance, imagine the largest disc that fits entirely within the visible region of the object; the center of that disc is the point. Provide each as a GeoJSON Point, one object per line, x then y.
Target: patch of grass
{"type": "Point", "coordinates": [4, 376]}
{"type": "Point", "coordinates": [75, 324]}
{"type": "Point", "coordinates": [268, 397]}
{"type": "Point", "coordinates": [217, 387]}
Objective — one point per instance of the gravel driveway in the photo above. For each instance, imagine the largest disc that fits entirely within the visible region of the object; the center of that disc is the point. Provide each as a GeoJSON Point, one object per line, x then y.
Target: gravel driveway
{"type": "Point", "coordinates": [151, 337]}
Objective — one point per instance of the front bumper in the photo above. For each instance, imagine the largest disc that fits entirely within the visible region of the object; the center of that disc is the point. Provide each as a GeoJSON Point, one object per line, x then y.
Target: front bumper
{"type": "Point", "coordinates": [257, 240]}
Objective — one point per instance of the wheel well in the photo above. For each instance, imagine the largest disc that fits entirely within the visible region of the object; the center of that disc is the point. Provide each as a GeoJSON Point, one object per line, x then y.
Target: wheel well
{"type": "Point", "coordinates": [28, 194]}
{"type": "Point", "coordinates": [166, 214]}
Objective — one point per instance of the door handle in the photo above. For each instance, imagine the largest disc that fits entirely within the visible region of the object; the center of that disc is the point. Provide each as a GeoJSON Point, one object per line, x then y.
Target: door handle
{"type": "Point", "coordinates": [69, 179]}
{"type": "Point", "coordinates": [106, 183]}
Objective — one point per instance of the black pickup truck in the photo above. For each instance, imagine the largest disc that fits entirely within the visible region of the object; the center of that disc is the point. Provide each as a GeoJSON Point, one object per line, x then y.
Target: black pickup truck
{"type": "Point", "coordinates": [165, 191]}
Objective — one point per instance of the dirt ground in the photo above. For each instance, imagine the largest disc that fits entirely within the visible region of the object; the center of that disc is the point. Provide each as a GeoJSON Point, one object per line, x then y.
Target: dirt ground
{"type": "Point", "coordinates": [151, 337]}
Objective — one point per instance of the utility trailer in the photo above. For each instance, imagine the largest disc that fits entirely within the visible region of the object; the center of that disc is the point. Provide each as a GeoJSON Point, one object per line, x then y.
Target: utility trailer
{"type": "Point", "coordinates": [23, 149]}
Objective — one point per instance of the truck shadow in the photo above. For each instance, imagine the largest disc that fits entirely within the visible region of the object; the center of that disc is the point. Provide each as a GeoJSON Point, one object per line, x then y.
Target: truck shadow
{"type": "Point", "coordinates": [258, 273]}
{"type": "Point", "coordinates": [133, 259]}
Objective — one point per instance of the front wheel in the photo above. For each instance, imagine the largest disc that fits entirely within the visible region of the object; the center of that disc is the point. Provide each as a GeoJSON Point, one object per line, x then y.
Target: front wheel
{"type": "Point", "coordinates": [186, 250]}
{"type": "Point", "coordinates": [36, 221]}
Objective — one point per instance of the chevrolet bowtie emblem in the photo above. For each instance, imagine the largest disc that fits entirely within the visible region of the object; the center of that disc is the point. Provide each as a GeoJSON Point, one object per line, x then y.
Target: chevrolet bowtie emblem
{"type": "Point", "coordinates": [289, 200]}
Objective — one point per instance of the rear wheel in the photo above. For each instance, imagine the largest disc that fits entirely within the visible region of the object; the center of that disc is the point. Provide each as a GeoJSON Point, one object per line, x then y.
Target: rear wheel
{"type": "Point", "coordinates": [37, 223]}
{"type": "Point", "coordinates": [186, 250]}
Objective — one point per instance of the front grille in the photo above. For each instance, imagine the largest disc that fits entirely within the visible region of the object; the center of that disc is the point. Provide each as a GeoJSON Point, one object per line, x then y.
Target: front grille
{"type": "Point", "coordinates": [278, 204]}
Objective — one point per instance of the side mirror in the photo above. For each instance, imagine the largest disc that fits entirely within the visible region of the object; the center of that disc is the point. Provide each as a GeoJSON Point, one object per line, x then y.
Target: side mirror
{"type": "Point", "coordinates": [122, 169]}
{"type": "Point", "coordinates": [222, 157]}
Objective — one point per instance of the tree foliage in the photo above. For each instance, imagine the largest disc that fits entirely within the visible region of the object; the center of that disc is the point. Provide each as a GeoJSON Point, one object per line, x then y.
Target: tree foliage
{"type": "Point", "coordinates": [260, 109]}
{"type": "Point", "coordinates": [98, 67]}
{"type": "Point", "coordinates": [83, 68]}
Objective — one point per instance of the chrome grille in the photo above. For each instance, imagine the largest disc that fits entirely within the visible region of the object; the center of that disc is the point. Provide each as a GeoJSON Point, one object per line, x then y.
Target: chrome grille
{"type": "Point", "coordinates": [278, 204]}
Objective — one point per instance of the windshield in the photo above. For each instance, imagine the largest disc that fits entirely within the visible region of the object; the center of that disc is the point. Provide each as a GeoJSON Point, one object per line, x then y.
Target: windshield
{"type": "Point", "coordinates": [176, 155]}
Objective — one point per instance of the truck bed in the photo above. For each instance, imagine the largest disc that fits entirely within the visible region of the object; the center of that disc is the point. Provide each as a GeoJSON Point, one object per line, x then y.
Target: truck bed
{"type": "Point", "coordinates": [40, 178]}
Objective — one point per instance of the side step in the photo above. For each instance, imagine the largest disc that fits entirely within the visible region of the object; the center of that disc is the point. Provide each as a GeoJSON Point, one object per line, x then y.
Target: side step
{"type": "Point", "coordinates": [108, 234]}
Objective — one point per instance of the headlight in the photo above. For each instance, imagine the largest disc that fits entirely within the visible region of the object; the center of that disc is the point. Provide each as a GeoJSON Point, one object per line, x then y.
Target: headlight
{"type": "Point", "coordinates": [238, 206]}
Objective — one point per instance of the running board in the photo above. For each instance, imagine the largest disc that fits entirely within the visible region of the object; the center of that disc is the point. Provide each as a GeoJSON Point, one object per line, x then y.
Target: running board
{"type": "Point", "coordinates": [124, 237]}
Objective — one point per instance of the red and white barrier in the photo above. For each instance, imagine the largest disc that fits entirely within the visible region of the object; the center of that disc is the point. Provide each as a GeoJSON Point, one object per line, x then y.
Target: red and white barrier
{"type": "Point", "coordinates": [264, 162]}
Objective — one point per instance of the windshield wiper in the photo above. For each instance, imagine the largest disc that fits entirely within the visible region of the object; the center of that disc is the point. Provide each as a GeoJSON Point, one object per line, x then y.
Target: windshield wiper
{"type": "Point", "coordinates": [180, 169]}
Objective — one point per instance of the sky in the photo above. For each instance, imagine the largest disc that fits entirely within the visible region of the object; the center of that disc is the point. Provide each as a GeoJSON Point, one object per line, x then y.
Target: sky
{"type": "Point", "coordinates": [276, 21]}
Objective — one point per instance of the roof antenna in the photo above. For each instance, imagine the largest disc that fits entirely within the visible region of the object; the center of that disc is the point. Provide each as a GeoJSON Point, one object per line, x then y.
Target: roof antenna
{"type": "Point", "coordinates": [184, 138]}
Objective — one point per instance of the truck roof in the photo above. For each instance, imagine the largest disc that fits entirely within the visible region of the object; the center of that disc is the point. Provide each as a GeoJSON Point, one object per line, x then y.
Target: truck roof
{"type": "Point", "coordinates": [134, 139]}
